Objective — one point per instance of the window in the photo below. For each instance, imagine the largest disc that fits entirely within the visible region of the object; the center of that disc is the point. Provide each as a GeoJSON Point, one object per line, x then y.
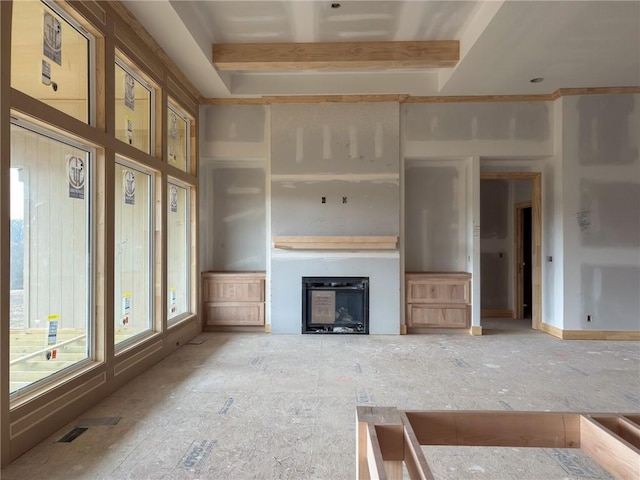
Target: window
{"type": "Point", "coordinates": [133, 251]}
{"type": "Point", "coordinates": [134, 108]}
{"type": "Point", "coordinates": [178, 252]}
{"type": "Point", "coordinates": [51, 259]}
{"type": "Point", "coordinates": [177, 138]}
{"type": "Point", "coordinates": [50, 58]}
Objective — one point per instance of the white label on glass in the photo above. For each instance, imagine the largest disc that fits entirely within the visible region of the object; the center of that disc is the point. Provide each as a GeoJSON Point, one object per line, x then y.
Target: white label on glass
{"type": "Point", "coordinates": [52, 38]}
{"type": "Point", "coordinates": [129, 187]}
{"type": "Point", "coordinates": [75, 176]}
{"type": "Point", "coordinates": [173, 303]}
{"type": "Point", "coordinates": [173, 194]}
{"type": "Point", "coordinates": [129, 91]}
{"type": "Point", "coordinates": [46, 72]}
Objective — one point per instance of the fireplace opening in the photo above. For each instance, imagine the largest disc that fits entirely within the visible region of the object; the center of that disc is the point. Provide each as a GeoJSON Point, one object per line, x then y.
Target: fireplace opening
{"type": "Point", "coordinates": [335, 305]}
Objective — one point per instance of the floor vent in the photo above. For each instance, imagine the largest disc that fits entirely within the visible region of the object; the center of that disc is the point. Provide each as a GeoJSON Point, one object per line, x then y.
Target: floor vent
{"type": "Point", "coordinates": [72, 435]}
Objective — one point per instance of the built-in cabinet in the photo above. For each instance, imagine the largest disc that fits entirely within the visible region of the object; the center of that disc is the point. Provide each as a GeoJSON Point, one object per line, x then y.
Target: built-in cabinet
{"type": "Point", "coordinates": [438, 299]}
{"type": "Point", "coordinates": [232, 299]}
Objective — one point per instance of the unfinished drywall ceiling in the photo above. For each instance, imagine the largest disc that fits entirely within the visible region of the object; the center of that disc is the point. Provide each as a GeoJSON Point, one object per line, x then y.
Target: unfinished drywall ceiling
{"type": "Point", "coordinates": [502, 44]}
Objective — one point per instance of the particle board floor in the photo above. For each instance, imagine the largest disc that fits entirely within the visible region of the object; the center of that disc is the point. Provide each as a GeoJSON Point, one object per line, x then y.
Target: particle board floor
{"type": "Point", "coordinates": [242, 406]}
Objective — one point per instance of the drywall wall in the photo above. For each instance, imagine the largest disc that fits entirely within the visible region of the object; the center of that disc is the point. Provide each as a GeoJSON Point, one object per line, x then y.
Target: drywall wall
{"type": "Point", "coordinates": [349, 207]}
{"type": "Point", "coordinates": [436, 216]}
{"type": "Point", "coordinates": [600, 207]}
{"type": "Point", "coordinates": [382, 269]}
{"type": "Point", "coordinates": [234, 131]}
{"type": "Point", "coordinates": [234, 152]}
{"type": "Point", "coordinates": [500, 129]}
{"type": "Point", "coordinates": [232, 216]}
{"type": "Point", "coordinates": [334, 171]}
{"type": "Point", "coordinates": [335, 139]}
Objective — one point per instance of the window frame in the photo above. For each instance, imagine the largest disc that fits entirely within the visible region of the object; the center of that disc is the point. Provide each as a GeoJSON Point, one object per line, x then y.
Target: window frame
{"type": "Point", "coordinates": [130, 68]}
{"type": "Point", "coordinates": [124, 345]}
{"type": "Point", "coordinates": [172, 106]}
{"type": "Point", "coordinates": [172, 322]}
{"type": "Point", "coordinates": [46, 383]}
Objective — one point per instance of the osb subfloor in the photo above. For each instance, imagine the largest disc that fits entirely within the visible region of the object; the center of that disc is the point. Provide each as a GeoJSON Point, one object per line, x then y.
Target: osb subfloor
{"type": "Point", "coordinates": [242, 406]}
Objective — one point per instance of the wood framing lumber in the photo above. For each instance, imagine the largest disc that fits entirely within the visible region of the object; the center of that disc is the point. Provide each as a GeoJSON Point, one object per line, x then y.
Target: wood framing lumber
{"type": "Point", "coordinates": [336, 55]}
{"type": "Point", "coordinates": [618, 456]}
{"type": "Point", "coordinates": [336, 242]}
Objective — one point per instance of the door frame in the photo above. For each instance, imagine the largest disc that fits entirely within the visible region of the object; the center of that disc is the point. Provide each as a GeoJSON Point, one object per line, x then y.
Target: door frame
{"type": "Point", "coordinates": [518, 246]}
{"type": "Point", "coordinates": [536, 233]}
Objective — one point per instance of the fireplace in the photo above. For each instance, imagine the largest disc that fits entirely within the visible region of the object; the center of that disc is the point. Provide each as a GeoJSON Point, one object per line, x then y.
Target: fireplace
{"type": "Point", "coordinates": [335, 305]}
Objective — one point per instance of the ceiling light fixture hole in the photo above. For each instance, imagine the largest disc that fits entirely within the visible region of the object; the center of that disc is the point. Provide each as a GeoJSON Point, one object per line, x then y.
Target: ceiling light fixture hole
{"type": "Point", "coordinates": [335, 5]}
{"type": "Point", "coordinates": [536, 80]}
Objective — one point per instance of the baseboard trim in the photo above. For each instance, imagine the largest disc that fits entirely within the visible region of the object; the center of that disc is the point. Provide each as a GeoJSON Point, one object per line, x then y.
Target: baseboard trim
{"type": "Point", "coordinates": [267, 328]}
{"type": "Point", "coordinates": [476, 330]}
{"type": "Point", "coordinates": [591, 334]}
{"type": "Point", "coordinates": [600, 335]}
{"type": "Point", "coordinates": [496, 313]}
{"type": "Point", "coordinates": [551, 330]}
{"type": "Point", "coordinates": [403, 329]}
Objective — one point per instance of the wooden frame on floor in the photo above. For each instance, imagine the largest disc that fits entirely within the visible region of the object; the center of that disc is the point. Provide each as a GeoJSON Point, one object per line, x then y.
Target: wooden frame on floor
{"type": "Point", "coordinates": [388, 439]}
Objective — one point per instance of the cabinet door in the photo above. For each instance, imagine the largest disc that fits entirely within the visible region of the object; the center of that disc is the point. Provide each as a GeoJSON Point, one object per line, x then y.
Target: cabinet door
{"type": "Point", "coordinates": [238, 289]}
{"type": "Point", "coordinates": [241, 314]}
{"type": "Point", "coordinates": [442, 316]}
{"type": "Point", "coordinates": [437, 291]}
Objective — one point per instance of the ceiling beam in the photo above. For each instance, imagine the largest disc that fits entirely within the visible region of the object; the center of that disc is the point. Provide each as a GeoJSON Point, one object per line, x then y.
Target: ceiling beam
{"type": "Point", "coordinates": [342, 55]}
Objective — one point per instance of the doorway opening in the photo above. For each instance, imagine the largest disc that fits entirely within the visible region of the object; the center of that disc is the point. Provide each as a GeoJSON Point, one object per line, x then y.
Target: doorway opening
{"type": "Point", "coordinates": [524, 255]}
{"type": "Point", "coordinates": [518, 280]}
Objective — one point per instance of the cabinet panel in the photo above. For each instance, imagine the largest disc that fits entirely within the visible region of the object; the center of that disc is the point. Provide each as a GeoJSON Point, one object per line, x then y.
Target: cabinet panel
{"type": "Point", "coordinates": [234, 314]}
{"type": "Point", "coordinates": [421, 315]}
{"type": "Point", "coordinates": [438, 299]}
{"type": "Point", "coordinates": [233, 298]}
{"type": "Point", "coordinates": [233, 290]}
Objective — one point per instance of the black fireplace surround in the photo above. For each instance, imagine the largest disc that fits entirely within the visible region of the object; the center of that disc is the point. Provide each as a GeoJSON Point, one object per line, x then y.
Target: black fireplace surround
{"type": "Point", "coordinates": [335, 305]}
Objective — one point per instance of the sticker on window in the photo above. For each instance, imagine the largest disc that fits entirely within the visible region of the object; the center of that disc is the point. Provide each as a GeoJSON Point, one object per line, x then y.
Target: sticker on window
{"type": "Point", "coordinates": [129, 130]}
{"type": "Point", "coordinates": [173, 194]}
{"type": "Point", "coordinates": [173, 300]}
{"type": "Point", "coordinates": [129, 91]}
{"type": "Point", "coordinates": [52, 38]}
{"type": "Point", "coordinates": [126, 308]}
{"type": "Point", "coordinates": [75, 177]}
{"type": "Point", "coordinates": [46, 72]}
{"type": "Point", "coordinates": [129, 187]}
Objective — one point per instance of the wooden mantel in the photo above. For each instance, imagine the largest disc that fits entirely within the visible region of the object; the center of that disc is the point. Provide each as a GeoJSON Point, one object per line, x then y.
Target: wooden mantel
{"type": "Point", "coordinates": [336, 243]}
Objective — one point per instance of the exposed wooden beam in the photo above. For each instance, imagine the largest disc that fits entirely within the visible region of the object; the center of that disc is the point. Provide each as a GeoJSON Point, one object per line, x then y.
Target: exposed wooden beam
{"type": "Point", "coordinates": [343, 55]}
